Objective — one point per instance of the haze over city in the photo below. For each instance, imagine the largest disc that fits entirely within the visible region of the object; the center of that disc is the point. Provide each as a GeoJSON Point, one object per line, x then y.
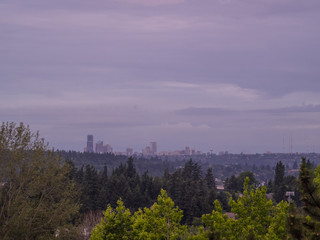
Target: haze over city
{"type": "Point", "coordinates": [227, 75]}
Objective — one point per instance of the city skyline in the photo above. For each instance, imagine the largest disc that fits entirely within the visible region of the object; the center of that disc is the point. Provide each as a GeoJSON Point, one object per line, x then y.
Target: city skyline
{"type": "Point", "coordinates": [227, 75]}
{"type": "Point", "coordinates": [152, 149]}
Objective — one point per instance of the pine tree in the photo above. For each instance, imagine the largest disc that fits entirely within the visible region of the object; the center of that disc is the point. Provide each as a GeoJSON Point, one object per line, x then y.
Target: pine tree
{"type": "Point", "coordinates": [278, 185]}
{"type": "Point", "coordinates": [212, 189]}
{"type": "Point", "coordinates": [104, 190]}
{"type": "Point", "coordinates": [294, 222]}
{"type": "Point", "coordinates": [310, 193]}
{"type": "Point", "coordinates": [90, 190]}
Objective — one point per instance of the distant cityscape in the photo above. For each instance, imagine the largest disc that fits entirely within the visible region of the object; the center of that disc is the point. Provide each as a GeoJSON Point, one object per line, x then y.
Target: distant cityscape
{"type": "Point", "coordinates": [150, 150]}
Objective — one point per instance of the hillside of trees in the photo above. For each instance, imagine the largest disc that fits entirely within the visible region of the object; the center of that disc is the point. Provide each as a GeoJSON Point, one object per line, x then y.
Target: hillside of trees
{"type": "Point", "coordinates": [46, 194]}
{"type": "Point", "coordinates": [223, 166]}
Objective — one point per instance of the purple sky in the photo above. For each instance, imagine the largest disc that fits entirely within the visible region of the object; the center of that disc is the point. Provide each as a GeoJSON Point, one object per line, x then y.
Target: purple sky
{"type": "Point", "coordinates": [236, 75]}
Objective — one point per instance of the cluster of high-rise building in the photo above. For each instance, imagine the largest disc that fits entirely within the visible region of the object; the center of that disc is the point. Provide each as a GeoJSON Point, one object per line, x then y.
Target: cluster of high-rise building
{"type": "Point", "coordinates": [150, 150]}
{"type": "Point", "coordinates": [186, 152]}
{"type": "Point", "coordinates": [99, 147]}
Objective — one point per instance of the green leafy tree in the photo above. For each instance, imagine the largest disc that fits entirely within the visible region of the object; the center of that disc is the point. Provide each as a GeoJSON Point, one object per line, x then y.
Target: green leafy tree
{"type": "Point", "coordinates": [218, 225]}
{"type": "Point", "coordinates": [116, 224]}
{"type": "Point", "coordinates": [38, 200]}
{"type": "Point", "coordinates": [159, 222]}
{"type": "Point", "coordinates": [256, 215]}
{"type": "Point", "coordinates": [255, 218]}
{"type": "Point", "coordinates": [277, 229]}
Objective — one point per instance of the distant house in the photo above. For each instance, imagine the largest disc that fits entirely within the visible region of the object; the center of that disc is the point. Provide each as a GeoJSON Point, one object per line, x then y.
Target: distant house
{"type": "Point", "coordinates": [231, 215]}
{"type": "Point", "coordinates": [269, 196]}
{"type": "Point", "coordinates": [220, 187]}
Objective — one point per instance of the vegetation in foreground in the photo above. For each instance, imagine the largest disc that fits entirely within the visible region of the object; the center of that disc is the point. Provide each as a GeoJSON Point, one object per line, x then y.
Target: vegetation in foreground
{"type": "Point", "coordinates": [37, 198]}
{"type": "Point", "coordinates": [42, 197]}
{"type": "Point", "coordinates": [256, 218]}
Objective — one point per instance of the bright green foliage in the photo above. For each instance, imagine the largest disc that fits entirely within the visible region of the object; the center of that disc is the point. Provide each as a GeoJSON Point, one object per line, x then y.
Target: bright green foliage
{"type": "Point", "coordinates": [256, 215]}
{"type": "Point", "coordinates": [37, 198]}
{"type": "Point", "coordinates": [200, 236]}
{"type": "Point", "coordinates": [160, 221]}
{"type": "Point", "coordinates": [253, 212]}
{"type": "Point", "coordinates": [277, 229]}
{"type": "Point", "coordinates": [256, 218]}
{"type": "Point", "coordinates": [116, 224]}
{"type": "Point", "coordinates": [217, 223]}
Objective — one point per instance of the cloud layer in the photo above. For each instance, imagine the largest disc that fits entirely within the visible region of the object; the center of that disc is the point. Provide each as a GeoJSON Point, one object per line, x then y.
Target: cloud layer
{"type": "Point", "coordinates": [223, 74]}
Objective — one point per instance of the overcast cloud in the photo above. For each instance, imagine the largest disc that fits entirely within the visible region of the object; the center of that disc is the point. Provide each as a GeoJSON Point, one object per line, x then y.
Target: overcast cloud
{"type": "Point", "coordinates": [233, 75]}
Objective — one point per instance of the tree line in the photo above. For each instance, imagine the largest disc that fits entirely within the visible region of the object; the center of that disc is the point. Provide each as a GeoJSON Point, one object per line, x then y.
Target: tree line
{"type": "Point", "coordinates": [191, 191]}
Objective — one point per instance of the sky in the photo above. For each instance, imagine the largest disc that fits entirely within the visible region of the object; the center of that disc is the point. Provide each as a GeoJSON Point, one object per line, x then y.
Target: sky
{"type": "Point", "coordinates": [227, 75]}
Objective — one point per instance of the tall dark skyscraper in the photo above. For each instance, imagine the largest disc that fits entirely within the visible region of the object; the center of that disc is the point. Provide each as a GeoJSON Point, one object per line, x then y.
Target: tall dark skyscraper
{"type": "Point", "coordinates": [90, 143]}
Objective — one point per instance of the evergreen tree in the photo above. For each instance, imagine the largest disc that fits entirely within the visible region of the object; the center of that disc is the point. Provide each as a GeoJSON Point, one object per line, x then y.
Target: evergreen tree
{"type": "Point", "coordinates": [235, 184]}
{"type": "Point", "coordinates": [90, 190]}
{"type": "Point", "coordinates": [209, 178]}
{"type": "Point", "coordinates": [295, 223]}
{"type": "Point", "coordinates": [104, 190]}
{"type": "Point", "coordinates": [118, 186]}
{"type": "Point", "coordinates": [310, 192]}
{"type": "Point", "coordinates": [146, 190]}
{"type": "Point", "coordinates": [232, 184]}
{"type": "Point", "coordinates": [211, 185]}
{"type": "Point", "coordinates": [278, 184]}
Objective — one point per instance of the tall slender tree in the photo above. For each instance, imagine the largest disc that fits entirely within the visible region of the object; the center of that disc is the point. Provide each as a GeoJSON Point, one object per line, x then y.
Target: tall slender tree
{"type": "Point", "coordinates": [310, 192]}
{"type": "Point", "coordinates": [278, 184]}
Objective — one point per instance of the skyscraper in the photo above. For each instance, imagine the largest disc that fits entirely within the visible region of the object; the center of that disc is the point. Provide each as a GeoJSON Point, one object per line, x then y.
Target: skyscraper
{"type": "Point", "coordinates": [99, 147]}
{"type": "Point", "coordinates": [90, 143]}
{"type": "Point", "coordinates": [107, 149]}
{"type": "Point", "coordinates": [153, 147]}
{"type": "Point", "coordinates": [129, 152]}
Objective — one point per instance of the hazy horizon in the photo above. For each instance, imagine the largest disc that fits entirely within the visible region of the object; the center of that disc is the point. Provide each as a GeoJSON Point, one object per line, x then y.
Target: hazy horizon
{"type": "Point", "coordinates": [227, 75]}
